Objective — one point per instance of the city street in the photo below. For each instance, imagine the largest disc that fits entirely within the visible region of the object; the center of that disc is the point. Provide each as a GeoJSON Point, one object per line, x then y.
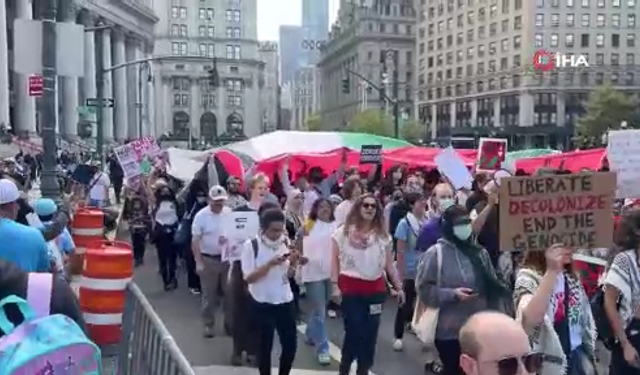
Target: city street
{"type": "Point", "coordinates": [180, 312]}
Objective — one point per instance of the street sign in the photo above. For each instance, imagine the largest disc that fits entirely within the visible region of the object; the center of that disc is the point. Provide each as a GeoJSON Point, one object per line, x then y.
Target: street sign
{"type": "Point", "coordinates": [93, 102]}
{"type": "Point", "coordinates": [36, 86]}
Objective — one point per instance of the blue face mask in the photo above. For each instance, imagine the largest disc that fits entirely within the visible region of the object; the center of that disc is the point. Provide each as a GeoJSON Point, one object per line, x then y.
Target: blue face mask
{"type": "Point", "coordinates": [462, 232]}
{"type": "Point", "coordinates": [445, 203]}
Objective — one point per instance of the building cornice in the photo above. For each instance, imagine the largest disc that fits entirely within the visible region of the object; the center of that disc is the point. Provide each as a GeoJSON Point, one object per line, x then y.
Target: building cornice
{"type": "Point", "coordinates": [140, 10]}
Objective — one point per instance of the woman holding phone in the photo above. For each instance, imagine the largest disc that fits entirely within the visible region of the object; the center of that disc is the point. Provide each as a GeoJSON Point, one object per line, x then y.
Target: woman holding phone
{"type": "Point", "coordinates": [458, 277]}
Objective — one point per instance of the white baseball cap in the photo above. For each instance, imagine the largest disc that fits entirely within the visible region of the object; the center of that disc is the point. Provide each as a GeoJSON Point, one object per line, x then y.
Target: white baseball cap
{"type": "Point", "coordinates": [218, 193]}
{"type": "Point", "coordinates": [9, 192]}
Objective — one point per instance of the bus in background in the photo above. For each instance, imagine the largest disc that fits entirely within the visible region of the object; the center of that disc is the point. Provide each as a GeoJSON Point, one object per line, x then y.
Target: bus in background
{"type": "Point", "coordinates": [459, 143]}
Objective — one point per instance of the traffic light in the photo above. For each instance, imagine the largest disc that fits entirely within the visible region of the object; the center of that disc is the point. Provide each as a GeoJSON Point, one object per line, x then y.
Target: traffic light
{"type": "Point", "coordinates": [214, 78]}
{"type": "Point", "coordinates": [345, 85]}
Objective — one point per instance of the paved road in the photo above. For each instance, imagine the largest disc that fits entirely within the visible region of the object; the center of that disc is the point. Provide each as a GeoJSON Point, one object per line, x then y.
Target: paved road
{"type": "Point", "coordinates": [180, 312]}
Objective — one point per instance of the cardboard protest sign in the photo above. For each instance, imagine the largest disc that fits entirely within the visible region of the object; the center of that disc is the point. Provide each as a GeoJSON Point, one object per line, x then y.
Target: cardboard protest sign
{"type": "Point", "coordinates": [491, 154]}
{"type": "Point", "coordinates": [539, 211]}
{"type": "Point", "coordinates": [371, 154]}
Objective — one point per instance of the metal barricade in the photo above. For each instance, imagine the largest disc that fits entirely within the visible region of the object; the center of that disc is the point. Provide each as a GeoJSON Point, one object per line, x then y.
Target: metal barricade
{"type": "Point", "coordinates": [147, 347]}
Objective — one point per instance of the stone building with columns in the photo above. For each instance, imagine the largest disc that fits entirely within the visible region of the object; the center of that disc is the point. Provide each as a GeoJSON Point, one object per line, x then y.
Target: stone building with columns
{"type": "Point", "coordinates": [127, 37]}
{"type": "Point", "coordinates": [200, 36]}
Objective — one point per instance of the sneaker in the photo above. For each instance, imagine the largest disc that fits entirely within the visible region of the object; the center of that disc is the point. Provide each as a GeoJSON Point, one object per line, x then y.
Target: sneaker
{"type": "Point", "coordinates": [332, 314]}
{"type": "Point", "coordinates": [397, 345]}
{"type": "Point", "coordinates": [195, 291]}
{"type": "Point", "coordinates": [324, 359]}
{"type": "Point", "coordinates": [208, 332]}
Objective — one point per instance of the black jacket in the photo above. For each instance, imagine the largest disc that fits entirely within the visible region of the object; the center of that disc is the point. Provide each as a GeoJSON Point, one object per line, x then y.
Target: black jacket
{"type": "Point", "coordinates": [13, 281]}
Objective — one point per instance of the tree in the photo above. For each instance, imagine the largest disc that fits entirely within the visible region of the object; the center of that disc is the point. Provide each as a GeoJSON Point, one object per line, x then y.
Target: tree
{"type": "Point", "coordinates": [607, 108]}
{"type": "Point", "coordinates": [313, 123]}
{"type": "Point", "coordinates": [371, 121]}
{"type": "Point", "coordinates": [411, 131]}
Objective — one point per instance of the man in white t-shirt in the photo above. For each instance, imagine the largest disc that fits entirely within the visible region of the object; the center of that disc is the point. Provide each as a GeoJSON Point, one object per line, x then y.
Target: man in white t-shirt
{"type": "Point", "coordinates": [99, 189]}
{"type": "Point", "coordinates": [207, 245]}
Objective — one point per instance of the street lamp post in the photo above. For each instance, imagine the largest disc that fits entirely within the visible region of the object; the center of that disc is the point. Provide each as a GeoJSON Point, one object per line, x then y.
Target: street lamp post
{"type": "Point", "coordinates": [144, 66]}
{"type": "Point", "coordinates": [49, 185]}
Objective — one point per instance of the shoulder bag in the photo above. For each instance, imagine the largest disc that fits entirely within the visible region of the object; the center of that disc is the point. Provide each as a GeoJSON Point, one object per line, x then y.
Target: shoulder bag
{"type": "Point", "coordinates": [426, 326]}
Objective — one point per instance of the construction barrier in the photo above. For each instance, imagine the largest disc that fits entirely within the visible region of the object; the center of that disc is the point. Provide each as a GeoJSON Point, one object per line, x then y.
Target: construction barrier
{"type": "Point", "coordinates": [107, 270]}
{"type": "Point", "coordinates": [87, 228]}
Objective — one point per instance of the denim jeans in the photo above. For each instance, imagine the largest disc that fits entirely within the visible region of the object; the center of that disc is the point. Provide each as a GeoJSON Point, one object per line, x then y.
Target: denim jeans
{"type": "Point", "coordinates": [319, 293]}
{"type": "Point", "coordinates": [97, 203]}
{"type": "Point", "coordinates": [361, 315]}
{"type": "Point", "coordinates": [579, 363]}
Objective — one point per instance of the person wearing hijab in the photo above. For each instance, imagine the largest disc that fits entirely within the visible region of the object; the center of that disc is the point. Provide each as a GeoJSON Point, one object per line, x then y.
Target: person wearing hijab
{"type": "Point", "coordinates": [456, 276]}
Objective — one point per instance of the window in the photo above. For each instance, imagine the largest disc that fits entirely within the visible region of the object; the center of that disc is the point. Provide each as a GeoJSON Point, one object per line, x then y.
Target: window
{"type": "Point", "coordinates": [233, 32]}
{"type": "Point", "coordinates": [599, 40]}
{"type": "Point", "coordinates": [211, 50]}
{"type": "Point", "coordinates": [615, 20]}
{"type": "Point", "coordinates": [175, 48]}
{"type": "Point", "coordinates": [571, 20]}
{"type": "Point", "coordinates": [585, 20]}
{"type": "Point", "coordinates": [175, 30]}
{"type": "Point", "coordinates": [600, 20]}
{"type": "Point", "coordinates": [554, 40]}
{"type": "Point", "coordinates": [202, 31]}
{"type": "Point", "coordinates": [208, 100]}
{"type": "Point", "coordinates": [555, 20]}
{"type": "Point", "coordinates": [585, 3]}
{"type": "Point", "coordinates": [234, 85]}
{"type": "Point", "coordinates": [631, 40]}
{"type": "Point", "coordinates": [212, 31]}
{"type": "Point", "coordinates": [631, 21]}
{"type": "Point", "coordinates": [210, 13]}
{"type": "Point", "coordinates": [538, 40]}
{"type": "Point", "coordinates": [183, 31]}
{"type": "Point", "coordinates": [202, 49]}
{"type": "Point", "coordinates": [234, 100]}
{"type": "Point", "coordinates": [569, 40]}
{"type": "Point", "coordinates": [539, 20]}
{"type": "Point", "coordinates": [234, 52]}
{"type": "Point", "coordinates": [175, 13]}
{"type": "Point", "coordinates": [630, 59]}
{"type": "Point", "coordinates": [183, 13]}
{"type": "Point", "coordinates": [202, 14]}
{"type": "Point", "coordinates": [233, 15]}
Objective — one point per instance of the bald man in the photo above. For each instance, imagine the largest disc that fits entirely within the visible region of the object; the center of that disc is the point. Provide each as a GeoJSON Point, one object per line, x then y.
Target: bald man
{"type": "Point", "coordinates": [492, 343]}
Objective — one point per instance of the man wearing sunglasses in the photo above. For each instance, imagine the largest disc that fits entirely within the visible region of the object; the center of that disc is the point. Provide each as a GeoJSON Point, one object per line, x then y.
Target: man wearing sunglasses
{"type": "Point", "coordinates": [492, 343]}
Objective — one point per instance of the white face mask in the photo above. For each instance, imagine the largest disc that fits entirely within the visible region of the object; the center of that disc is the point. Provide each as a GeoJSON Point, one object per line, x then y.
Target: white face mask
{"type": "Point", "coordinates": [201, 199]}
{"type": "Point", "coordinates": [273, 244]}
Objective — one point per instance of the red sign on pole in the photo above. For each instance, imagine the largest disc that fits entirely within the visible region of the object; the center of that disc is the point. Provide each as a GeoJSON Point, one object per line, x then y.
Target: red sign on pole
{"type": "Point", "coordinates": [36, 86]}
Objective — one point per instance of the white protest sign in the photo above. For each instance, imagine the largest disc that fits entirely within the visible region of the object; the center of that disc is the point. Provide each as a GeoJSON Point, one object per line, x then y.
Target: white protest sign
{"type": "Point", "coordinates": [134, 156]}
{"type": "Point", "coordinates": [238, 227]}
{"type": "Point", "coordinates": [623, 152]}
{"type": "Point", "coordinates": [453, 168]}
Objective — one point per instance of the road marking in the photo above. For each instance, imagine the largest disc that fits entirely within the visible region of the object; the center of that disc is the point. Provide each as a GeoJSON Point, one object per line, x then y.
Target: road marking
{"type": "Point", "coordinates": [334, 350]}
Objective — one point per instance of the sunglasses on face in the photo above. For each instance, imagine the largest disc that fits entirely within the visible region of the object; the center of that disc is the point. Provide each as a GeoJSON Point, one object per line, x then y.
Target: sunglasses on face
{"type": "Point", "coordinates": [369, 206]}
{"type": "Point", "coordinates": [510, 365]}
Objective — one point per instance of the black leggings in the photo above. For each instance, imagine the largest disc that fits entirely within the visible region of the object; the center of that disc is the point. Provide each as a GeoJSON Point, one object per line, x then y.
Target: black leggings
{"type": "Point", "coordinates": [282, 320]}
{"type": "Point", "coordinates": [449, 352]}
{"type": "Point", "coordinates": [167, 252]}
{"type": "Point", "coordinates": [405, 311]}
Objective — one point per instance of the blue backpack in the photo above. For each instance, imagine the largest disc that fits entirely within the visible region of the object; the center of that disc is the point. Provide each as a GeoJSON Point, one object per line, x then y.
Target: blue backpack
{"type": "Point", "coordinates": [44, 344]}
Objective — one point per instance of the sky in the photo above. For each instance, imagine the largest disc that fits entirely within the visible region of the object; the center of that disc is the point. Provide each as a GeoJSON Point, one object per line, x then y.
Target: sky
{"type": "Point", "coordinates": [287, 12]}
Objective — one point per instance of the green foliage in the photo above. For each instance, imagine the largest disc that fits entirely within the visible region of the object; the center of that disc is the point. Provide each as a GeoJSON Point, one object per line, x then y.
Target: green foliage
{"type": "Point", "coordinates": [371, 121]}
{"type": "Point", "coordinates": [313, 123]}
{"type": "Point", "coordinates": [411, 131]}
{"type": "Point", "coordinates": [606, 109]}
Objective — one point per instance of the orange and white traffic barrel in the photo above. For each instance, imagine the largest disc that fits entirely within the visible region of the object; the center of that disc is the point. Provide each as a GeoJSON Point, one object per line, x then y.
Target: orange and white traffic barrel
{"type": "Point", "coordinates": [87, 227]}
{"type": "Point", "coordinates": [107, 270]}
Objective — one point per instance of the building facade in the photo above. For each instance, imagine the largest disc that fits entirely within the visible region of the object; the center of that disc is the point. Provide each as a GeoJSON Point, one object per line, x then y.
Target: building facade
{"type": "Point", "coordinates": [306, 90]}
{"type": "Point", "coordinates": [315, 28]}
{"type": "Point", "coordinates": [475, 65]}
{"type": "Point", "coordinates": [291, 53]}
{"type": "Point", "coordinates": [286, 107]}
{"type": "Point", "coordinates": [126, 32]}
{"type": "Point", "coordinates": [372, 39]}
{"type": "Point", "coordinates": [208, 87]}
{"type": "Point", "coordinates": [270, 97]}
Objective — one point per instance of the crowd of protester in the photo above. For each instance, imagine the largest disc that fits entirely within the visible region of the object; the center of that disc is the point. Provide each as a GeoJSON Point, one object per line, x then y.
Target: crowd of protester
{"type": "Point", "coordinates": [345, 241]}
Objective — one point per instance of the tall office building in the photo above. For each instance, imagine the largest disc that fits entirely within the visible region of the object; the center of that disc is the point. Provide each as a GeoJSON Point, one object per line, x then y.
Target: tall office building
{"type": "Point", "coordinates": [203, 35]}
{"type": "Point", "coordinates": [475, 75]}
{"type": "Point", "coordinates": [270, 96]}
{"type": "Point", "coordinates": [291, 53]}
{"type": "Point", "coordinates": [372, 38]}
{"type": "Point", "coordinates": [315, 28]}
